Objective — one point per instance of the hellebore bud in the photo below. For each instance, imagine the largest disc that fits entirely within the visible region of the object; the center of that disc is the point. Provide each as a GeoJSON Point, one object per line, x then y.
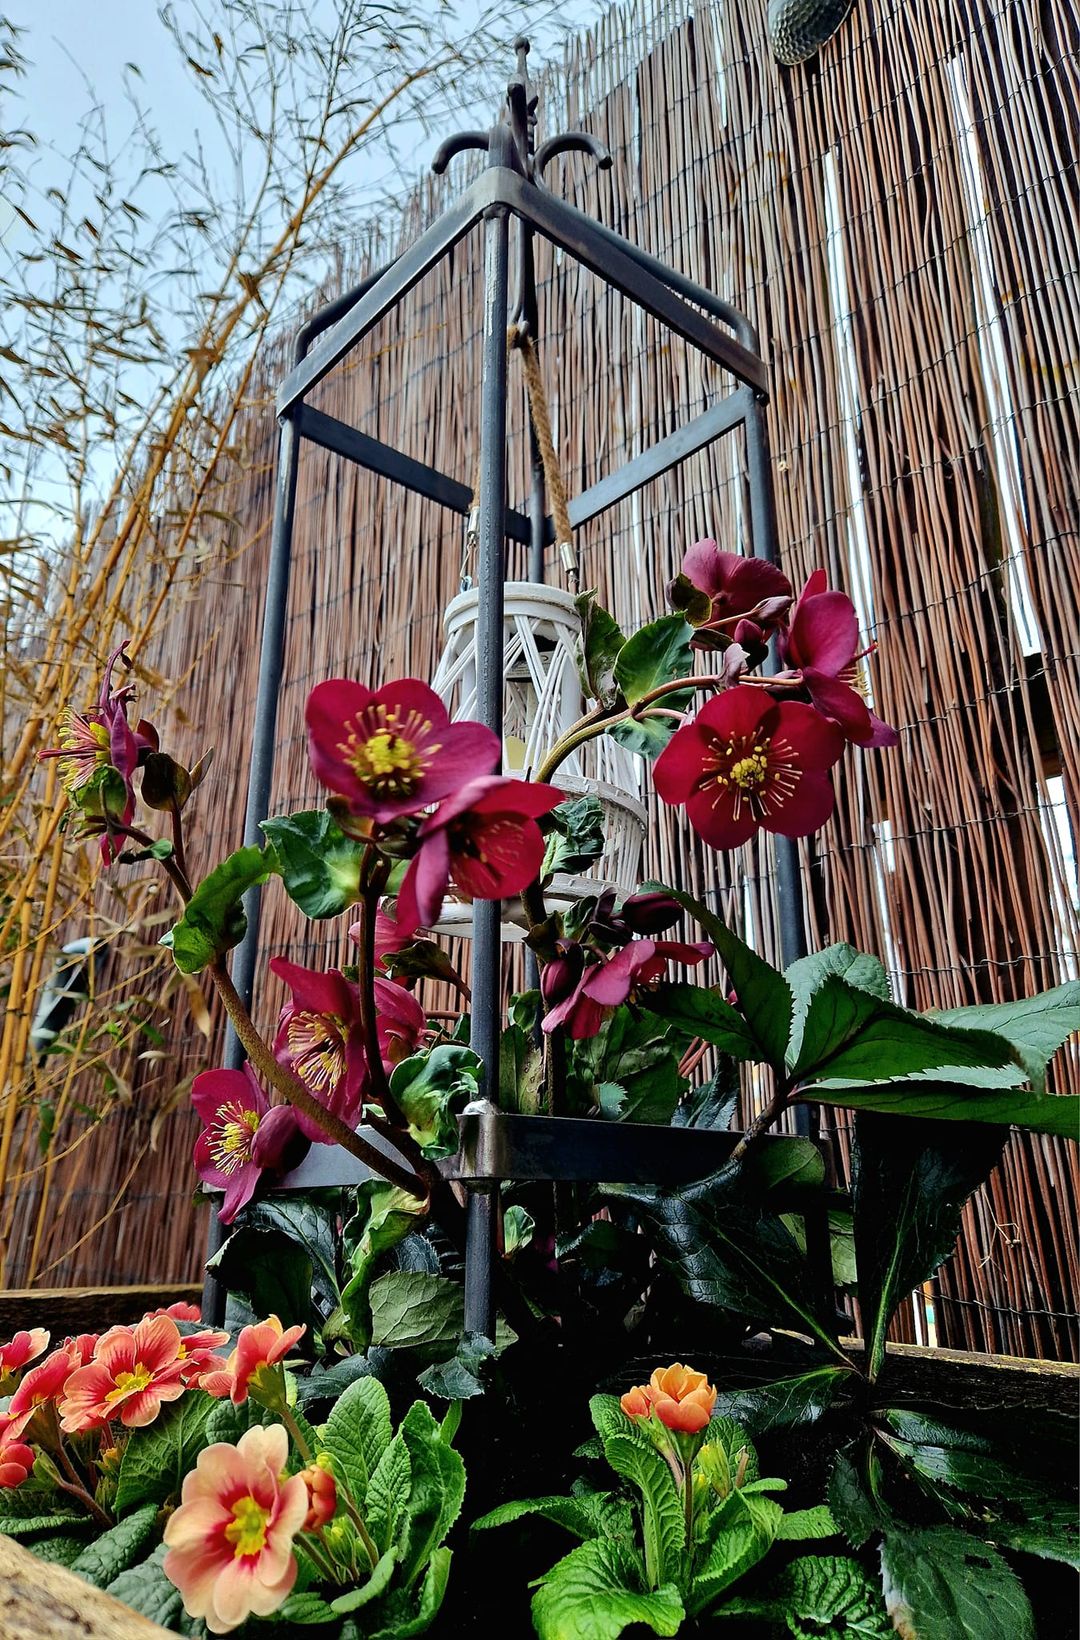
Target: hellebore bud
{"type": "Point", "coordinates": [650, 913]}
{"type": "Point", "coordinates": [558, 977]}
{"type": "Point", "coordinates": [277, 1144]}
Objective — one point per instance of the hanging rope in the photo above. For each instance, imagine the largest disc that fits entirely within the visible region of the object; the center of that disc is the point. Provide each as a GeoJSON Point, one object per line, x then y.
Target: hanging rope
{"type": "Point", "coordinates": [519, 341]}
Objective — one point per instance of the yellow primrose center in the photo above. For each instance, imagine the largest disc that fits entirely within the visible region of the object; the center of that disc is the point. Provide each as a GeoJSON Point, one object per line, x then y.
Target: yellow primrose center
{"type": "Point", "coordinates": [230, 1145]}
{"type": "Point", "coordinates": [247, 1529]}
{"type": "Point", "coordinates": [130, 1383]}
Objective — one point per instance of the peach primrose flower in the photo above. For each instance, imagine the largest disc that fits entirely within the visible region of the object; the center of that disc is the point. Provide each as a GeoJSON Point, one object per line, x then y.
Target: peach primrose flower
{"type": "Point", "coordinates": [134, 1371]}
{"type": "Point", "coordinates": [230, 1541]}
{"type": "Point", "coordinates": [178, 1311]}
{"type": "Point", "coordinates": [197, 1353]}
{"type": "Point", "coordinates": [43, 1383]}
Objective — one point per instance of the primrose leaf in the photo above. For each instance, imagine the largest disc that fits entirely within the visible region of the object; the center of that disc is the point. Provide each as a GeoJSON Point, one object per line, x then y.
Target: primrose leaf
{"type": "Point", "coordinates": [319, 864]}
{"type": "Point", "coordinates": [596, 1591]}
{"type": "Point", "coordinates": [591, 1515]}
{"type": "Point", "coordinates": [214, 920]}
{"type": "Point", "coordinates": [357, 1433]}
{"type": "Point", "coordinates": [145, 1588]}
{"type": "Point", "coordinates": [157, 1458]}
{"type": "Point", "coordinates": [118, 1548]}
{"type": "Point", "coordinates": [437, 1492]}
{"type": "Point", "coordinates": [820, 1597]}
{"type": "Point", "coordinates": [662, 1516]}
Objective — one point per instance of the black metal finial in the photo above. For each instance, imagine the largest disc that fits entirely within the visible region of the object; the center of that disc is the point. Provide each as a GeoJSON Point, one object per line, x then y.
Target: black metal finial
{"type": "Point", "coordinates": [520, 116]}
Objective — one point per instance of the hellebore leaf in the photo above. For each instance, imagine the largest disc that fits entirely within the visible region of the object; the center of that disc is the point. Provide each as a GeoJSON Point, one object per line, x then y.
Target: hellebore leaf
{"type": "Point", "coordinates": [431, 1088]}
{"type": "Point", "coordinates": [410, 1309]}
{"type": "Point", "coordinates": [764, 996]}
{"type": "Point", "coordinates": [214, 919]}
{"type": "Point", "coordinates": [575, 836]}
{"type": "Point", "coordinates": [954, 1102]}
{"type": "Point", "coordinates": [319, 865]}
{"type": "Point", "coordinates": [384, 1216]}
{"type": "Point", "coordinates": [785, 1403]}
{"type": "Point", "coordinates": [657, 653]}
{"type": "Point", "coordinates": [1036, 1026]}
{"type": "Point", "coordinates": [460, 1378]}
{"type": "Point", "coordinates": [942, 1584]}
{"type": "Point", "coordinates": [706, 1014]}
{"type": "Point", "coordinates": [910, 1182]}
{"type": "Point", "coordinates": [807, 976]}
{"type": "Point", "coordinates": [852, 1035]}
{"type": "Point", "coordinates": [596, 1591]}
{"type": "Point", "coordinates": [601, 642]}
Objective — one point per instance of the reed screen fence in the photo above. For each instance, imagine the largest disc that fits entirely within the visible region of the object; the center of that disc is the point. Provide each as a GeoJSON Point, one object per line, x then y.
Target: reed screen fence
{"type": "Point", "coordinates": [897, 220]}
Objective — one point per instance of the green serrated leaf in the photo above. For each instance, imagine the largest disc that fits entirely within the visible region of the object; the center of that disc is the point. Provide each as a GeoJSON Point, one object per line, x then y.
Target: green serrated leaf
{"type": "Point", "coordinates": [384, 1216]}
{"type": "Point", "coordinates": [658, 652]}
{"type": "Point", "coordinates": [954, 1102]}
{"type": "Point", "coordinates": [60, 1550]}
{"type": "Point", "coordinates": [388, 1494]}
{"type": "Point", "coordinates": [592, 1515]}
{"type": "Point", "coordinates": [764, 996]}
{"type": "Point", "coordinates": [743, 1531]}
{"type": "Point", "coordinates": [706, 1014]}
{"type": "Point", "coordinates": [377, 1584]}
{"type": "Point", "coordinates": [16, 1526]}
{"type": "Point", "coordinates": [430, 1088]}
{"type": "Point", "coordinates": [576, 837]}
{"type": "Point", "coordinates": [600, 644]}
{"type": "Point", "coordinates": [808, 974]}
{"type": "Point", "coordinates": [941, 1584]}
{"type": "Point", "coordinates": [595, 1592]}
{"type": "Point", "coordinates": [407, 1621]}
{"type": "Point", "coordinates": [1036, 1026]}
{"type": "Point", "coordinates": [145, 1588]}
{"type": "Point", "coordinates": [437, 1493]}
{"type": "Point", "coordinates": [410, 1308]}
{"type": "Point", "coordinates": [460, 1378]}
{"type": "Point", "coordinates": [357, 1433]}
{"type": "Point", "coordinates": [117, 1549]}
{"type": "Point", "coordinates": [786, 1403]}
{"type": "Point", "coordinates": [663, 1525]}
{"type": "Point", "coordinates": [820, 1597]}
{"type": "Point", "coordinates": [214, 920]}
{"type": "Point", "coordinates": [157, 1458]}
{"type": "Point", "coordinates": [319, 865]}
{"type": "Point", "coordinates": [799, 1525]}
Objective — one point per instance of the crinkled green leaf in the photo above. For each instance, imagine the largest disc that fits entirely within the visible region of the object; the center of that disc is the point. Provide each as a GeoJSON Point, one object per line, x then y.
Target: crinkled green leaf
{"type": "Point", "coordinates": [437, 1492]}
{"type": "Point", "coordinates": [663, 1525]}
{"type": "Point", "coordinates": [214, 920]}
{"type": "Point", "coordinates": [357, 1433]}
{"type": "Point", "coordinates": [145, 1588]}
{"type": "Point", "coordinates": [799, 1525]}
{"type": "Point", "coordinates": [382, 1574]}
{"type": "Point", "coordinates": [600, 645]}
{"type": "Point", "coordinates": [743, 1531]}
{"type": "Point", "coordinates": [942, 1584]}
{"type": "Point", "coordinates": [430, 1088]}
{"type": "Point", "coordinates": [16, 1526]}
{"type": "Point", "coordinates": [595, 1592]}
{"type": "Point", "coordinates": [575, 836]}
{"type": "Point", "coordinates": [409, 1617]}
{"type": "Point", "coordinates": [590, 1515]}
{"type": "Point", "coordinates": [59, 1550]}
{"type": "Point", "coordinates": [387, 1494]}
{"type": "Point", "coordinates": [157, 1458]}
{"type": "Point", "coordinates": [410, 1308]}
{"type": "Point", "coordinates": [319, 865]}
{"type": "Point", "coordinates": [384, 1216]}
{"type": "Point", "coordinates": [304, 1610]}
{"type": "Point", "coordinates": [820, 1597]}
{"type": "Point", "coordinates": [118, 1548]}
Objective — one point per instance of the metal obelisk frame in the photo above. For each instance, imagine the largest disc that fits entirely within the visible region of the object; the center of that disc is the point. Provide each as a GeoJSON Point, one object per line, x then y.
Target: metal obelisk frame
{"type": "Point", "coordinates": [511, 189]}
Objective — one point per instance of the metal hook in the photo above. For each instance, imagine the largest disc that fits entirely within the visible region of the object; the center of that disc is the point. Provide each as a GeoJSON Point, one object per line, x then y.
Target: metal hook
{"type": "Point", "coordinates": [572, 142]}
{"type": "Point", "coordinates": [457, 145]}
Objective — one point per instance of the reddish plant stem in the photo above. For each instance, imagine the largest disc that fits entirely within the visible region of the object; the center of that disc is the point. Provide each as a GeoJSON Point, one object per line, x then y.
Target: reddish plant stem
{"type": "Point", "coordinates": [297, 1094]}
{"type": "Point", "coordinates": [369, 1013]}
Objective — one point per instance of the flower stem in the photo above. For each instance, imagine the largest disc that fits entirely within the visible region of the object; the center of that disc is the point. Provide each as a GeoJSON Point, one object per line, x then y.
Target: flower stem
{"type": "Point", "coordinates": [295, 1092]}
{"type": "Point", "coordinates": [369, 1015]}
{"type": "Point", "coordinates": [76, 1488]}
{"type": "Point", "coordinates": [294, 1429]}
{"type": "Point", "coordinates": [762, 1122]}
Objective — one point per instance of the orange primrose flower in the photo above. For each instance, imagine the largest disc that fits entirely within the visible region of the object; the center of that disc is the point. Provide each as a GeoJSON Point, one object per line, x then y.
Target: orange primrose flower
{"type": "Point", "coordinates": [134, 1370]}
{"type": "Point", "coordinates": [16, 1458]}
{"type": "Point", "coordinates": [681, 1398]}
{"type": "Point", "coordinates": [24, 1347]}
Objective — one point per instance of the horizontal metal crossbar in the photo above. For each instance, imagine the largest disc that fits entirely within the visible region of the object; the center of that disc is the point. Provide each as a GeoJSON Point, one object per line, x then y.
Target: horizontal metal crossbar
{"type": "Point", "coordinates": [347, 441]}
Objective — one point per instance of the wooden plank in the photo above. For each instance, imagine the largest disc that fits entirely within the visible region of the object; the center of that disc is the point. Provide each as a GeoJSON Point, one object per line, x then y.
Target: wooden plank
{"type": "Point", "coordinates": [66, 1310]}
{"type": "Point", "coordinates": [40, 1601]}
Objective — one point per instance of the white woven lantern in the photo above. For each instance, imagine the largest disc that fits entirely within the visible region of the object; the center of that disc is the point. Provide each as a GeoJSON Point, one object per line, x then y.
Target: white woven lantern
{"type": "Point", "coordinates": [542, 699]}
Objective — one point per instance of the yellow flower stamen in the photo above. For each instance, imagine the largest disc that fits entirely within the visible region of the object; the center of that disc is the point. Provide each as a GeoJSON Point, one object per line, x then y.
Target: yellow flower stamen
{"type": "Point", "coordinates": [130, 1383]}
{"type": "Point", "coordinates": [247, 1529]}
